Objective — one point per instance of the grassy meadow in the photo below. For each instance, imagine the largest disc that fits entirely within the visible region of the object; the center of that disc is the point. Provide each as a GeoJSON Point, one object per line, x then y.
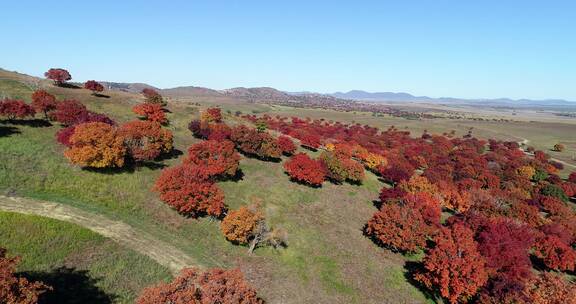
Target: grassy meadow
{"type": "Point", "coordinates": [328, 260]}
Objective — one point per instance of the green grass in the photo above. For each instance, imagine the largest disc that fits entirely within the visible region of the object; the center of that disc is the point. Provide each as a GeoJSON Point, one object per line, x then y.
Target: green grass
{"type": "Point", "coordinates": [45, 245]}
{"type": "Point", "coordinates": [327, 255]}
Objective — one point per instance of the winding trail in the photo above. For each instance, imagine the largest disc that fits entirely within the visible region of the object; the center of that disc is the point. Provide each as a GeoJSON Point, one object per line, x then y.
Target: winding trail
{"type": "Point", "coordinates": [130, 237]}
{"type": "Point", "coordinates": [525, 141]}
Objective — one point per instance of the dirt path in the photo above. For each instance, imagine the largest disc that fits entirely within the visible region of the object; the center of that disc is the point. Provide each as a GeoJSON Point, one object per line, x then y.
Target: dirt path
{"type": "Point", "coordinates": [130, 237]}
{"type": "Point", "coordinates": [526, 141]}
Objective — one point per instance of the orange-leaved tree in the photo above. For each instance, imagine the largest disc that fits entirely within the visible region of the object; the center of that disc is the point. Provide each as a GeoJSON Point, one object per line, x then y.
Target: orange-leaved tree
{"type": "Point", "coordinates": [146, 140]}
{"type": "Point", "coordinates": [454, 266]}
{"type": "Point", "coordinates": [15, 289]}
{"type": "Point", "coordinates": [193, 286]}
{"type": "Point", "coordinates": [96, 145]}
{"type": "Point", "coordinates": [240, 225]}
{"type": "Point", "coordinates": [151, 111]}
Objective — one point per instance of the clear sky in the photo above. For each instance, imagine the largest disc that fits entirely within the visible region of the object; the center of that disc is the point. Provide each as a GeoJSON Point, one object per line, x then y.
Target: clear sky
{"type": "Point", "coordinates": [505, 48]}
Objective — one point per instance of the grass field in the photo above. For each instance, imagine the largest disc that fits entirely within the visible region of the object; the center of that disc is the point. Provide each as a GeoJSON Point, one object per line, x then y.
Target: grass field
{"type": "Point", "coordinates": [327, 260]}
{"type": "Point", "coordinates": [71, 258]}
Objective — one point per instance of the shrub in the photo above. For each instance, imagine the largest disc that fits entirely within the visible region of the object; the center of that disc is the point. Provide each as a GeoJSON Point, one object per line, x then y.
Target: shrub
{"type": "Point", "coordinates": [63, 135]}
{"type": "Point", "coordinates": [339, 168]}
{"type": "Point", "coordinates": [93, 86]}
{"type": "Point", "coordinates": [194, 286]}
{"type": "Point", "coordinates": [555, 254]}
{"type": "Point", "coordinates": [303, 169]}
{"type": "Point", "coordinates": [286, 145]}
{"type": "Point", "coordinates": [152, 96]}
{"type": "Point", "coordinates": [398, 227]}
{"type": "Point", "coordinates": [59, 76]}
{"type": "Point", "coordinates": [150, 111]}
{"type": "Point", "coordinates": [550, 288]}
{"type": "Point", "coordinates": [211, 115]}
{"type": "Point", "coordinates": [558, 147]}
{"type": "Point", "coordinates": [15, 289]}
{"type": "Point", "coordinates": [68, 112]}
{"type": "Point", "coordinates": [96, 145]}
{"type": "Point", "coordinates": [146, 140]}
{"type": "Point", "coordinates": [239, 225]}
{"type": "Point", "coordinates": [554, 191]}
{"type": "Point", "coordinates": [252, 142]}
{"type": "Point", "coordinates": [189, 190]}
{"type": "Point", "coordinates": [43, 102]}
{"type": "Point", "coordinates": [217, 157]}
{"type": "Point", "coordinates": [454, 266]}
{"type": "Point", "coordinates": [12, 109]}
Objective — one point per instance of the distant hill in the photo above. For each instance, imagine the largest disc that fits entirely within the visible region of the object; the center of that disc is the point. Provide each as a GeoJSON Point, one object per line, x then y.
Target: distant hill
{"type": "Point", "coordinates": [127, 87]}
{"type": "Point", "coordinates": [405, 97]}
{"type": "Point", "coordinates": [190, 91]}
{"type": "Point", "coordinates": [257, 93]}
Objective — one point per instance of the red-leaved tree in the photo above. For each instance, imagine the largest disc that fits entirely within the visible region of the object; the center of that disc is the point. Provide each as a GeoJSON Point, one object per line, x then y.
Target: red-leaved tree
{"type": "Point", "coordinates": [15, 289]}
{"type": "Point", "coordinates": [43, 102]}
{"type": "Point", "coordinates": [59, 76]}
{"type": "Point", "coordinates": [286, 145]}
{"type": "Point", "coordinates": [68, 112]}
{"type": "Point", "coordinates": [93, 86]}
{"type": "Point", "coordinates": [218, 158]}
{"type": "Point", "coordinates": [146, 140]}
{"type": "Point", "coordinates": [151, 112]}
{"type": "Point", "coordinates": [189, 190]}
{"type": "Point", "coordinates": [454, 266]}
{"type": "Point", "coordinates": [12, 109]}
{"type": "Point", "coordinates": [302, 168]}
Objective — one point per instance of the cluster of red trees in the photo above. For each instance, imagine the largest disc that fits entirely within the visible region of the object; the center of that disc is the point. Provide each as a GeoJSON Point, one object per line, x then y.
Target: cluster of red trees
{"type": "Point", "coordinates": [506, 207]}
{"type": "Point", "coordinates": [194, 286]}
{"type": "Point", "coordinates": [12, 109]}
{"type": "Point", "coordinates": [94, 140]}
{"type": "Point", "coordinates": [190, 188]}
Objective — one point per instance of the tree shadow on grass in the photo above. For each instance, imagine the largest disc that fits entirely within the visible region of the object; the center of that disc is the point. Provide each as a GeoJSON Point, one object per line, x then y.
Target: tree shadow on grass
{"type": "Point", "coordinates": [69, 85]}
{"type": "Point", "coordinates": [411, 268]}
{"type": "Point", "coordinates": [70, 286]}
{"type": "Point", "coordinates": [175, 153]}
{"type": "Point", "coordinates": [35, 123]}
{"type": "Point", "coordinates": [101, 95]}
{"type": "Point", "coordinates": [8, 131]}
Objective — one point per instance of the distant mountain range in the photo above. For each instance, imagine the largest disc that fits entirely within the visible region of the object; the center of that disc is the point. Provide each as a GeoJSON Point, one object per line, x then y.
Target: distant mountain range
{"type": "Point", "coordinates": [405, 97]}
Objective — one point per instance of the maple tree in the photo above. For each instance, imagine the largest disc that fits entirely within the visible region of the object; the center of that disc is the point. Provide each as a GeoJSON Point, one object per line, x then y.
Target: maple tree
{"type": "Point", "coordinates": [554, 253]}
{"type": "Point", "coordinates": [189, 190]}
{"type": "Point", "coordinates": [96, 145]}
{"type": "Point", "coordinates": [193, 286]}
{"type": "Point", "coordinates": [218, 158]}
{"type": "Point", "coordinates": [15, 289]}
{"type": "Point", "coordinates": [454, 266]}
{"type": "Point", "coordinates": [12, 109]}
{"type": "Point", "coordinates": [252, 142]}
{"type": "Point", "coordinates": [68, 112]}
{"type": "Point", "coordinates": [550, 288]}
{"type": "Point", "coordinates": [340, 168]}
{"type": "Point", "coordinates": [558, 147]}
{"type": "Point", "coordinates": [59, 76]}
{"type": "Point", "coordinates": [239, 225]}
{"type": "Point", "coordinates": [286, 145]}
{"type": "Point", "coordinates": [152, 96]}
{"type": "Point", "coordinates": [93, 86]}
{"type": "Point", "coordinates": [43, 102]}
{"type": "Point", "coordinates": [151, 111]}
{"type": "Point", "coordinates": [572, 177]}
{"type": "Point", "coordinates": [211, 115]}
{"type": "Point", "coordinates": [145, 140]}
{"type": "Point", "coordinates": [302, 168]}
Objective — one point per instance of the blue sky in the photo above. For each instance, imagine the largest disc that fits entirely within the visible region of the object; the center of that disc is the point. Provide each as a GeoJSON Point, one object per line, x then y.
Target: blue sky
{"type": "Point", "coordinates": [518, 49]}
